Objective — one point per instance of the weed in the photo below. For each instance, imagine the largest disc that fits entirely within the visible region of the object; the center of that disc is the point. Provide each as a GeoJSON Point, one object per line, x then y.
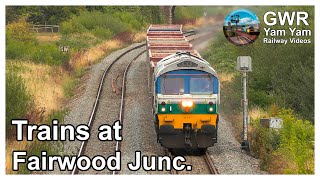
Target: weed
{"type": "Point", "coordinates": [18, 99]}
{"type": "Point", "coordinates": [69, 87]}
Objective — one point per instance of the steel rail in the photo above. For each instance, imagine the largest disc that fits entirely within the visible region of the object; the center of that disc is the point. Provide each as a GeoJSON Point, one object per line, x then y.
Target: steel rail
{"type": "Point", "coordinates": [212, 168]}
{"type": "Point", "coordinates": [168, 153]}
{"type": "Point", "coordinates": [189, 33]}
{"type": "Point", "coordinates": [96, 103]}
{"type": "Point", "coordinates": [118, 143]}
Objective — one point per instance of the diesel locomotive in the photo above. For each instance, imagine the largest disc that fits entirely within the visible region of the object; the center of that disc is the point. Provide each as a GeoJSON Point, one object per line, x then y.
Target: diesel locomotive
{"type": "Point", "coordinates": [184, 89]}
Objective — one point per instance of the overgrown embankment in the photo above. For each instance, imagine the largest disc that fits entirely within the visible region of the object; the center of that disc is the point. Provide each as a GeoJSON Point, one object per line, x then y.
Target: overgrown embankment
{"type": "Point", "coordinates": [40, 79]}
{"type": "Point", "coordinates": [280, 85]}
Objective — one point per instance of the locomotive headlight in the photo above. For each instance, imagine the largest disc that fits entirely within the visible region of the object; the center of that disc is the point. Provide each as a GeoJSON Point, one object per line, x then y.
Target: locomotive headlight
{"type": "Point", "coordinates": [210, 109]}
{"type": "Point", "coordinates": [163, 109]}
{"type": "Point", "coordinates": [187, 103]}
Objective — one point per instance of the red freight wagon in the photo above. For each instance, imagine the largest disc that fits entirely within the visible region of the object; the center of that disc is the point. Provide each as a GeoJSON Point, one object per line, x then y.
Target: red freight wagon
{"type": "Point", "coordinates": [165, 40]}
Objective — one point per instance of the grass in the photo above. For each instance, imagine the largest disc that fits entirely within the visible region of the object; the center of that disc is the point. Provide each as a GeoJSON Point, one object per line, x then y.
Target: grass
{"type": "Point", "coordinates": [10, 146]}
{"type": "Point", "coordinates": [68, 86]}
{"type": "Point", "coordinates": [18, 99]}
{"type": "Point", "coordinates": [48, 37]}
{"type": "Point", "coordinates": [91, 55]}
{"type": "Point", "coordinates": [43, 82]}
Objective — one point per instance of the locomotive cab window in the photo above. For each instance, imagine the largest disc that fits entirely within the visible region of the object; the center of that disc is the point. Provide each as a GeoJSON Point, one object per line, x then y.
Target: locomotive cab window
{"type": "Point", "coordinates": [172, 85]}
{"type": "Point", "coordinates": [201, 85]}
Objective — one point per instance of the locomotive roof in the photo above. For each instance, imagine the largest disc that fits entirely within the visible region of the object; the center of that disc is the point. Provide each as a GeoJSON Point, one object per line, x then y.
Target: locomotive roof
{"type": "Point", "coordinates": [182, 60]}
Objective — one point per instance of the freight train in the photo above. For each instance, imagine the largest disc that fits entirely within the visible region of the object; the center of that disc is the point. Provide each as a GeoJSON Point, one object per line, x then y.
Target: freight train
{"type": "Point", "coordinates": [184, 90]}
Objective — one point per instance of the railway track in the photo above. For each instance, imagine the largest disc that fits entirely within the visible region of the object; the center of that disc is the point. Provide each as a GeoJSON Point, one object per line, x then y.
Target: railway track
{"type": "Point", "coordinates": [82, 150]}
{"type": "Point", "coordinates": [118, 143]}
{"type": "Point", "coordinates": [213, 169]}
{"type": "Point", "coordinates": [198, 163]}
{"type": "Point", "coordinates": [117, 146]}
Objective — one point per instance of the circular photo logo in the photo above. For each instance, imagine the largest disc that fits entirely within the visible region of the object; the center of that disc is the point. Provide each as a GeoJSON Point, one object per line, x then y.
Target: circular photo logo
{"type": "Point", "coordinates": [241, 27]}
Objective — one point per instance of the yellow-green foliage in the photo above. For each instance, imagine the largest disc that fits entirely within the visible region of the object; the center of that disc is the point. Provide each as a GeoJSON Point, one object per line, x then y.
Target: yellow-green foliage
{"type": "Point", "coordinates": [22, 44]}
{"type": "Point", "coordinates": [296, 144]}
{"type": "Point", "coordinates": [187, 13]}
{"type": "Point", "coordinates": [20, 31]}
{"type": "Point", "coordinates": [289, 150]}
{"type": "Point", "coordinates": [106, 24]}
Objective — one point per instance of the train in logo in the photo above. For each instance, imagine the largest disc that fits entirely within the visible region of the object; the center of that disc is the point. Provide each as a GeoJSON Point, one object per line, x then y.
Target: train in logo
{"type": "Point", "coordinates": [184, 90]}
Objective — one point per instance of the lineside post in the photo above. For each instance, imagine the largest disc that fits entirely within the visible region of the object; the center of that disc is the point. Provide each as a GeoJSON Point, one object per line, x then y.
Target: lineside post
{"type": "Point", "coordinates": [244, 66]}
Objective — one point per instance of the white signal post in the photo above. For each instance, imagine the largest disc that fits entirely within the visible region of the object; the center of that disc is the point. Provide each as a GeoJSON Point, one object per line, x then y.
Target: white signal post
{"type": "Point", "coordinates": [244, 66]}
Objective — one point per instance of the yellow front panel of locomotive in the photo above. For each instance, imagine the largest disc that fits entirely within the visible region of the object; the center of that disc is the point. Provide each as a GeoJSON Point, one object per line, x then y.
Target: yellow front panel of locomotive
{"type": "Point", "coordinates": [177, 120]}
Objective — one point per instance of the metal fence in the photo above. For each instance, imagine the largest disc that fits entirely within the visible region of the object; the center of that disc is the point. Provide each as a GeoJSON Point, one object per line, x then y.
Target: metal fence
{"type": "Point", "coordinates": [45, 28]}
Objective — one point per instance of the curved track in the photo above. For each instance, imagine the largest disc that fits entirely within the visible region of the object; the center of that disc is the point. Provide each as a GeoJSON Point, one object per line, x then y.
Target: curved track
{"type": "Point", "coordinates": [117, 66]}
{"type": "Point", "coordinates": [83, 148]}
{"type": "Point", "coordinates": [118, 143]}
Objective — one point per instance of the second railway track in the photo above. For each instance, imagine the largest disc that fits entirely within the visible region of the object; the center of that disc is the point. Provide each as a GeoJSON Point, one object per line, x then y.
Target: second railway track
{"type": "Point", "coordinates": [106, 106]}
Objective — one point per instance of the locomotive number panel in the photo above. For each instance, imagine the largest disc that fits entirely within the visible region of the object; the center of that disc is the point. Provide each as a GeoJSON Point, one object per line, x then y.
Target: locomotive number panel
{"type": "Point", "coordinates": [187, 64]}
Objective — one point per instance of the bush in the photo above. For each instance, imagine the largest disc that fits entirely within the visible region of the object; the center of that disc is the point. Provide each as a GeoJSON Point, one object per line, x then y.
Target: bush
{"type": "Point", "coordinates": [39, 53]}
{"type": "Point", "coordinates": [69, 87]}
{"type": "Point", "coordinates": [48, 54]}
{"type": "Point", "coordinates": [69, 27]}
{"type": "Point", "coordinates": [95, 22]}
{"type": "Point", "coordinates": [289, 150]}
{"type": "Point", "coordinates": [79, 41]}
{"type": "Point", "coordinates": [21, 44]}
{"type": "Point", "coordinates": [133, 21]}
{"type": "Point", "coordinates": [102, 33]}
{"type": "Point", "coordinates": [297, 144]}
{"type": "Point", "coordinates": [20, 30]}
{"type": "Point", "coordinates": [18, 100]}
{"type": "Point", "coordinates": [17, 50]}
{"type": "Point", "coordinates": [221, 56]}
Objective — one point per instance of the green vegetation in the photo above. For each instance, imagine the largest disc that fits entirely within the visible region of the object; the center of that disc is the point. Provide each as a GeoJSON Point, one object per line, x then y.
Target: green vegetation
{"type": "Point", "coordinates": [289, 150]}
{"type": "Point", "coordinates": [80, 28]}
{"type": "Point", "coordinates": [18, 99]}
{"type": "Point", "coordinates": [184, 14]}
{"type": "Point", "coordinates": [282, 74]}
{"type": "Point", "coordinates": [22, 44]}
{"type": "Point", "coordinates": [282, 77]}
{"type": "Point", "coordinates": [69, 86]}
{"type": "Point", "coordinates": [42, 14]}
